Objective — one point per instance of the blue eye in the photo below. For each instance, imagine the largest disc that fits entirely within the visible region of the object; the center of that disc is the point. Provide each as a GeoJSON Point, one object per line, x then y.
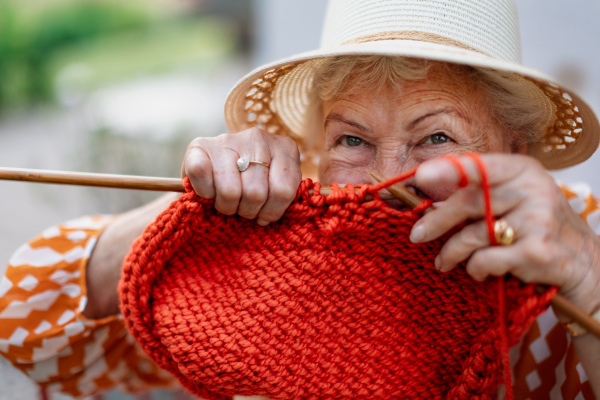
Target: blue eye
{"type": "Point", "coordinates": [437, 138]}
{"type": "Point", "coordinates": [353, 141]}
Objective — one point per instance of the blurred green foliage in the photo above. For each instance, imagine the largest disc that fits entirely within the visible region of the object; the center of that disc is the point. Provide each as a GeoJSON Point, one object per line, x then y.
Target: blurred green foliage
{"type": "Point", "coordinates": [201, 42]}
{"type": "Point", "coordinates": [111, 39]}
{"type": "Point", "coordinates": [30, 35]}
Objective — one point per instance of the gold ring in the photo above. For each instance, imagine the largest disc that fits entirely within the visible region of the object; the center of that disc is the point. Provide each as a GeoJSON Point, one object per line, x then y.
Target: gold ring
{"type": "Point", "coordinates": [244, 162]}
{"type": "Point", "coordinates": [503, 233]}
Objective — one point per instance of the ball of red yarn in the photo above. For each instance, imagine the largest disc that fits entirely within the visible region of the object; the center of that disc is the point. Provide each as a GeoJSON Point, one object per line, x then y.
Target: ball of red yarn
{"type": "Point", "coordinates": [332, 301]}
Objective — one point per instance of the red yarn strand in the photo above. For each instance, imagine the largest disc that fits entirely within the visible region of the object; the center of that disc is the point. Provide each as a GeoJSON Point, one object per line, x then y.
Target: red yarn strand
{"type": "Point", "coordinates": [489, 221]}
{"type": "Point", "coordinates": [402, 177]}
{"type": "Point", "coordinates": [464, 178]}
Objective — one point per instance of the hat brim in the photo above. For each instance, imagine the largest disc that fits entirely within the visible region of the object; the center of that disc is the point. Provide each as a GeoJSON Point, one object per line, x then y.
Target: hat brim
{"type": "Point", "coordinates": [291, 102]}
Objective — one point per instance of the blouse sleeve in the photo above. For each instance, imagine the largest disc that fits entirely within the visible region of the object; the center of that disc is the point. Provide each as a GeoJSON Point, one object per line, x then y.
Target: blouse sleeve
{"type": "Point", "coordinates": [43, 332]}
{"type": "Point", "coordinates": [546, 366]}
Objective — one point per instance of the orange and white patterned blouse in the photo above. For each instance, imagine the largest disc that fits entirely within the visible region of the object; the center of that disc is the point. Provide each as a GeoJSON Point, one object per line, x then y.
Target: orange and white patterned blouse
{"type": "Point", "coordinates": [44, 334]}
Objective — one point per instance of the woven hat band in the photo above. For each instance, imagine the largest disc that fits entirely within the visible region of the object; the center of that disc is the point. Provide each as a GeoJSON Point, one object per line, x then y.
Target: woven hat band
{"type": "Point", "coordinates": [411, 35]}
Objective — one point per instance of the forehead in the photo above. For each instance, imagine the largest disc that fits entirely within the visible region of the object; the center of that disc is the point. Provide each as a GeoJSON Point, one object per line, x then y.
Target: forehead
{"type": "Point", "coordinates": [439, 77]}
{"type": "Point", "coordinates": [449, 85]}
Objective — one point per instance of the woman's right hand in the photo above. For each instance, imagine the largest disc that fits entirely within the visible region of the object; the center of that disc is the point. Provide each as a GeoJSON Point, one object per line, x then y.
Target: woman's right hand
{"type": "Point", "coordinates": [259, 192]}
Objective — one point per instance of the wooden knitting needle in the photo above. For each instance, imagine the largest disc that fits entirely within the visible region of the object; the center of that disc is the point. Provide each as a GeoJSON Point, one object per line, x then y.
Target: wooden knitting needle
{"type": "Point", "coordinates": [559, 302]}
{"type": "Point", "coordinates": [92, 179]}
{"type": "Point", "coordinates": [110, 180]}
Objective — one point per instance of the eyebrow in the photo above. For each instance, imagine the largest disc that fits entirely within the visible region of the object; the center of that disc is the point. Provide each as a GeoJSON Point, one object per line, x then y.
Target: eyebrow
{"type": "Point", "coordinates": [433, 113]}
{"type": "Point", "coordinates": [338, 118]}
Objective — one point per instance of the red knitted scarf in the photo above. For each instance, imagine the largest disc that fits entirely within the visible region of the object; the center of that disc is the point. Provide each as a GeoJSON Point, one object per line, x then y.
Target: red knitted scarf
{"type": "Point", "coordinates": [331, 301]}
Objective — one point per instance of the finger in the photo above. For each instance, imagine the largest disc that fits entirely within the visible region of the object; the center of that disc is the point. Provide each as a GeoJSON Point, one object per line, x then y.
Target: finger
{"type": "Point", "coordinates": [461, 245]}
{"type": "Point", "coordinates": [481, 264]}
{"type": "Point", "coordinates": [465, 204]}
{"type": "Point", "coordinates": [198, 167]}
{"type": "Point", "coordinates": [510, 190]}
{"type": "Point", "coordinates": [227, 180]}
{"type": "Point", "coordinates": [499, 168]}
{"type": "Point", "coordinates": [475, 236]}
{"type": "Point", "coordinates": [255, 181]}
{"type": "Point", "coordinates": [529, 260]}
{"type": "Point", "coordinates": [285, 177]}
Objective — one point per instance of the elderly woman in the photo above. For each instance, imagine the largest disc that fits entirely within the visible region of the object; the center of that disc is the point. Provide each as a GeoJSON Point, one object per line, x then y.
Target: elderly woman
{"type": "Point", "coordinates": [384, 94]}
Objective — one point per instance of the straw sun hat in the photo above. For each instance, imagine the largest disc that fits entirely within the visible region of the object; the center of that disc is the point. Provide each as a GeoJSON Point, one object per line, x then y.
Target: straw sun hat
{"type": "Point", "coordinates": [478, 33]}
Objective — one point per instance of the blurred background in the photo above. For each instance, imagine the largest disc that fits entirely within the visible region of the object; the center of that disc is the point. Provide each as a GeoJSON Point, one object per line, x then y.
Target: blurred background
{"type": "Point", "coordinates": [122, 87]}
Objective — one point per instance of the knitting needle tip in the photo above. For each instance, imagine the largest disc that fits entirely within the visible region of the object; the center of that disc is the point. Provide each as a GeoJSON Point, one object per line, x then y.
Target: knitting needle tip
{"type": "Point", "coordinates": [400, 192]}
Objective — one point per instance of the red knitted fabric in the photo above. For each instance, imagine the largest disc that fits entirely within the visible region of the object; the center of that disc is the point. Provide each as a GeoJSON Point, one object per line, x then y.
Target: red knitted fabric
{"type": "Point", "coordinates": [332, 301]}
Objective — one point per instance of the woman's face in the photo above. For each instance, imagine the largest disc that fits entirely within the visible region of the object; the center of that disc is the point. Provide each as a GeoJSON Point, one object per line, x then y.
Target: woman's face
{"type": "Point", "coordinates": [394, 130]}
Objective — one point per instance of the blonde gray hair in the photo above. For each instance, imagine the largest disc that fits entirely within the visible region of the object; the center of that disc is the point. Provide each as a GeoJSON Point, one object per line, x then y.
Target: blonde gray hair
{"type": "Point", "coordinates": [511, 103]}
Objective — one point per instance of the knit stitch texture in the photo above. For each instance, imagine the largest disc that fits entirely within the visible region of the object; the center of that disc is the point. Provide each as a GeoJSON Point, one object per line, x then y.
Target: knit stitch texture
{"type": "Point", "coordinates": [332, 301]}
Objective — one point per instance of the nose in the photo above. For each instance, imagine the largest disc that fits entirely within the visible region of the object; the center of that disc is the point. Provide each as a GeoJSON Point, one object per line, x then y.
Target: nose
{"type": "Point", "coordinates": [407, 197]}
{"type": "Point", "coordinates": [393, 165]}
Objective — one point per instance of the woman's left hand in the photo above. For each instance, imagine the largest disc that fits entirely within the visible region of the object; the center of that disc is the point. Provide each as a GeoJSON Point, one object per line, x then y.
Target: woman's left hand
{"type": "Point", "coordinates": [552, 244]}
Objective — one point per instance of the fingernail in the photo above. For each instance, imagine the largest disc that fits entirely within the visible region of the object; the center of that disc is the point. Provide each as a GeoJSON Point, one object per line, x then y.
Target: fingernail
{"type": "Point", "coordinates": [438, 263]}
{"type": "Point", "coordinates": [417, 234]}
{"type": "Point", "coordinates": [447, 267]}
{"type": "Point", "coordinates": [479, 278]}
{"type": "Point", "coordinates": [262, 222]}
